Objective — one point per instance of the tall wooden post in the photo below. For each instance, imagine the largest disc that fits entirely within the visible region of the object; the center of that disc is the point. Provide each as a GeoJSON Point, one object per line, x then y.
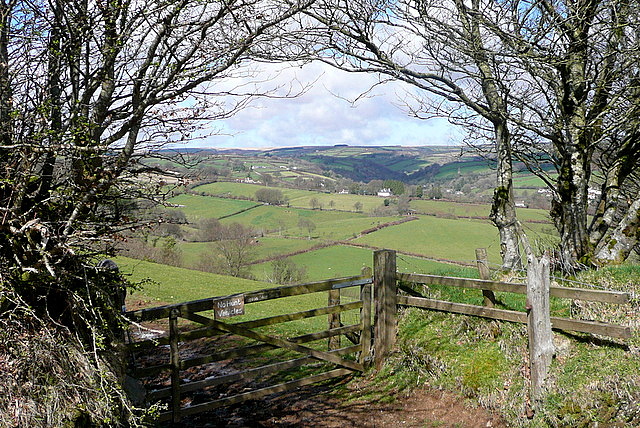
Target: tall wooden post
{"type": "Point", "coordinates": [334, 319]}
{"type": "Point", "coordinates": [365, 319]}
{"type": "Point", "coordinates": [386, 297]}
{"type": "Point", "coordinates": [175, 365]}
{"type": "Point", "coordinates": [539, 324]}
{"type": "Point", "coordinates": [483, 269]}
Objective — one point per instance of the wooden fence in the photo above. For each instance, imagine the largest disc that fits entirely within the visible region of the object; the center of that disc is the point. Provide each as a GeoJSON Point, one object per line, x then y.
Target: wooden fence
{"type": "Point", "coordinates": [217, 308]}
{"type": "Point", "coordinates": [393, 291]}
{"type": "Point", "coordinates": [372, 337]}
{"type": "Point", "coordinates": [559, 323]}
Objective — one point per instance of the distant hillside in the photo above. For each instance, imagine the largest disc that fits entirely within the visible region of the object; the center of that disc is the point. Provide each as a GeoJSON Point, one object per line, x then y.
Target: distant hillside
{"type": "Point", "coordinates": [364, 163]}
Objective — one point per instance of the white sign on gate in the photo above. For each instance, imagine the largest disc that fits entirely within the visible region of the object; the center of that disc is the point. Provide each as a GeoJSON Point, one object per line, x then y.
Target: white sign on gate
{"type": "Point", "coordinates": [228, 307]}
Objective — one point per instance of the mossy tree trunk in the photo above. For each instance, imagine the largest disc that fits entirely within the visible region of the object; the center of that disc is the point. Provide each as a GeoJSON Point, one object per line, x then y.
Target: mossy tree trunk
{"type": "Point", "coordinates": [503, 212]}
{"type": "Point", "coordinates": [569, 209]}
{"type": "Point", "coordinates": [622, 239]}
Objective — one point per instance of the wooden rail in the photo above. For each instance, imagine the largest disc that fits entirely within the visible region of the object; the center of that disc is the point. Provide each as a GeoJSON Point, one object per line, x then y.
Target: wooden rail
{"type": "Point", "coordinates": [202, 305]}
{"type": "Point", "coordinates": [604, 296]}
{"type": "Point", "coordinates": [593, 327]}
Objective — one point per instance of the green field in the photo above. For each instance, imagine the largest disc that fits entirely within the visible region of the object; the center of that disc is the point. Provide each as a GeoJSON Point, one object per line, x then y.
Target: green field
{"type": "Point", "coordinates": [439, 238]}
{"type": "Point", "coordinates": [532, 214]}
{"type": "Point", "coordinates": [330, 225]}
{"type": "Point", "coordinates": [172, 284]}
{"type": "Point", "coordinates": [444, 208]}
{"type": "Point", "coordinates": [198, 207]}
{"type": "Point", "coordinates": [408, 165]}
{"type": "Point", "coordinates": [454, 169]}
{"type": "Point", "coordinates": [528, 182]}
{"type": "Point", "coordinates": [296, 198]}
{"type": "Point", "coordinates": [336, 201]}
{"type": "Point", "coordinates": [341, 260]}
{"type": "Point", "coordinates": [462, 209]}
{"type": "Point", "coordinates": [264, 248]}
{"type": "Point", "coordinates": [225, 188]}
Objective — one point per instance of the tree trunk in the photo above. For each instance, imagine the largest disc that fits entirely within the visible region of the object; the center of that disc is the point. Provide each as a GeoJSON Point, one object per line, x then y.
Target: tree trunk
{"type": "Point", "coordinates": [614, 228]}
{"type": "Point", "coordinates": [605, 215]}
{"type": "Point", "coordinates": [503, 212]}
{"type": "Point", "coordinates": [619, 243]}
{"type": "Point", "coordinates": [569, 209]}
{"type": "Point", "coordinates": [574, 146]}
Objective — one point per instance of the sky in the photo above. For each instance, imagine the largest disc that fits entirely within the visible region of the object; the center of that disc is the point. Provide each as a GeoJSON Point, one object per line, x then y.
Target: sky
{"type": "Point", "coordinates": [323, 115]}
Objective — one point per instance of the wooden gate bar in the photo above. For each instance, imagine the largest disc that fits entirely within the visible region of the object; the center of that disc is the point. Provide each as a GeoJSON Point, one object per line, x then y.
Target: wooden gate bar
{"type": "Point", "coordinates": [300, 315]}
{"type": "Point", "coordinates": [246, 374]}
{"type": "Point", "coordinates": [281, 343]}
{"type": "Point", "coordinates": [256, 349]}
{"type": "Point", "coordinates": [253, 395]}
{"type": "Point", "coordinates": [296, 290]}
{"type": "Point", "coordinates": [207, 332]}
{"type": "Point", "coordinates": [244, 351]}
{"type": "Point", "coordinates": [201, 305]}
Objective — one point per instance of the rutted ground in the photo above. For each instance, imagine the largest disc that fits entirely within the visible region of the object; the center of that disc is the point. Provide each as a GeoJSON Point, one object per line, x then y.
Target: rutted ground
{"type": "Point", "coordinates": [319, 407]}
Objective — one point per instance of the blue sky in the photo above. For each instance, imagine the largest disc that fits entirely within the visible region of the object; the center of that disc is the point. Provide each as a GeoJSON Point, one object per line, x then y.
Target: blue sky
{"type": "Point", "coordinates": [323, 116]}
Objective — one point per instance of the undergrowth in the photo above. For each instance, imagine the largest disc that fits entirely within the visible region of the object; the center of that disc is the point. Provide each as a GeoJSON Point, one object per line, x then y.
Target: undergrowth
{"type": "Point", "coordinates": [48, 378]}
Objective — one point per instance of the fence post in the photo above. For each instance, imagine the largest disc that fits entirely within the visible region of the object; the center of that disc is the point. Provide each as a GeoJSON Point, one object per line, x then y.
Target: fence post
{"type": "Point", "coordinates": [539, 324]}
{"type": "Point", "coordinates": [334, 319]}
{"type": "Point", "coordinates": [365, 319]}
{"type": "Point", "coordinates": [386, 297]}
{"type": "Point", "coordinates": [175, 365]}
{"type": "Point", "coordinates": [483, 269]}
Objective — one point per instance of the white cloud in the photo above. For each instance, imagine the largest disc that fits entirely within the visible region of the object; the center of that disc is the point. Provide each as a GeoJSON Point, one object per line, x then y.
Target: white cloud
{"type": "Point", "coordinates": [323, 116]}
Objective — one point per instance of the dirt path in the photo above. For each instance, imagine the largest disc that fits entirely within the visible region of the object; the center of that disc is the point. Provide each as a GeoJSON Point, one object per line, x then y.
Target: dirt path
{"type": "Point", "coordinates": [316, 407]}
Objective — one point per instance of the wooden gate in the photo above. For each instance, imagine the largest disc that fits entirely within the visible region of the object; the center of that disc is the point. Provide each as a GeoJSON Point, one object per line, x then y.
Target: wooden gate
{"type": "Point", "coordinates": [210, 319]}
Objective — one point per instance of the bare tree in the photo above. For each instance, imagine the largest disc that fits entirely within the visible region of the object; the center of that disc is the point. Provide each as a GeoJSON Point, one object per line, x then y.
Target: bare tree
{"type": "Point", "coordinates": [549, 83]}
{"type": "Point", "coordinates": [209, 229]}
{"type": "Point", "coordinates": [307, 225]}
{"type": "Point", "coordinates": [576, 104]}
{"type": "Point", "coordinates": [438, 48]}
{"type": "Point", "coordinates": [315, 203]}
{"type": "Point", "coordinates": [88, 89]}
{"type": "Point", "coordinates": [271, 196]}
{"type": "Point", "coordinates": [286, 271]}
{"type": "Point", "coordinates": [236, 246]}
